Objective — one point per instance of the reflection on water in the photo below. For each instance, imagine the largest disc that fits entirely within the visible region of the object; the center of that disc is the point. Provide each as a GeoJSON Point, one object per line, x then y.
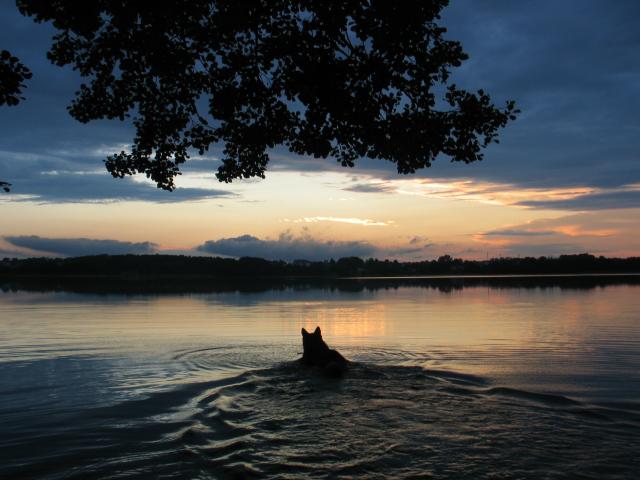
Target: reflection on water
{"type": "Point", "coordinates": [482, 381]}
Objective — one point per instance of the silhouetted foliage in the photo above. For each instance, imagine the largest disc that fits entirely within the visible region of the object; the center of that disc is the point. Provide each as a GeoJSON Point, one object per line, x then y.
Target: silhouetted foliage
{"type": "Point", "coordinates": [347, 80]}
{"type": "Point", "coordinates": [132, 266]}
{"type": "Point", "coordinates": [12, 77]}
{"type": "Point", "coordinates": [187, 284]}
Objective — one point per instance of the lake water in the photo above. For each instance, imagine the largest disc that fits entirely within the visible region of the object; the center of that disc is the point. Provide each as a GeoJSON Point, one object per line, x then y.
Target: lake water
{"type": "Point", "coordinates": [451, 379]}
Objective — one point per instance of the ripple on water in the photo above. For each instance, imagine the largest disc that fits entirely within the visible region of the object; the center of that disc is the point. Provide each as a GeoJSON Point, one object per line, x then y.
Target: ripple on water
{"type": "Point", "coordinates": [379, 420]}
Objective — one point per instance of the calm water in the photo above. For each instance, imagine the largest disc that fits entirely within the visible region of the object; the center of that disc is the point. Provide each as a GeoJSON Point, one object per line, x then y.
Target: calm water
{"type": "Point", "coordinates": [478, 381]}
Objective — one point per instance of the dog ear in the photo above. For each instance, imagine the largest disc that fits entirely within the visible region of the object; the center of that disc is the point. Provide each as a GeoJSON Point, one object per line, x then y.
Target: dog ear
{"type": "Point", "coordinates": [317, 331]}
{"type": "Point", "coordinates": [304, 332]}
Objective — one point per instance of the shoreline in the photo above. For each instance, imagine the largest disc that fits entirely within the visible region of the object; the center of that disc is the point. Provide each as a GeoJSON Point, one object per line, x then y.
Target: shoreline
{"type": "Point", "coordinates": [142, 276]}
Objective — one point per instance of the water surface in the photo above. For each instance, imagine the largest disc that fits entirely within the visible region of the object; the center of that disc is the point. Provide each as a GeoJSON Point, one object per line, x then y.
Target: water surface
{"type": "Point", "coordinates": [479, 380]}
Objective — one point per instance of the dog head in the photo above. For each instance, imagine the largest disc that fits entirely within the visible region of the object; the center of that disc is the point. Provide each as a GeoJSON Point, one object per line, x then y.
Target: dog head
{"type": "Point", "coordinates": [312, 343]}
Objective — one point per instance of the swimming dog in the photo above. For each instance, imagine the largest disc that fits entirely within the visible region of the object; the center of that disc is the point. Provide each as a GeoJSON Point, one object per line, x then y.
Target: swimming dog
{"type": "Point", "coordinates": [317, 353]}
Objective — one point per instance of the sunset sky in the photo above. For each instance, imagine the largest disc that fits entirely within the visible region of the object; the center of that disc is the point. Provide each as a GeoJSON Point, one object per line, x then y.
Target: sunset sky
{"type": "Point", "coordinates": [565, 177]}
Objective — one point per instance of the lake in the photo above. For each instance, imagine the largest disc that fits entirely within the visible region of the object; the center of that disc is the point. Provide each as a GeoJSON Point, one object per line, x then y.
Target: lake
{"type": "Point", "coordinates": [452, 378]}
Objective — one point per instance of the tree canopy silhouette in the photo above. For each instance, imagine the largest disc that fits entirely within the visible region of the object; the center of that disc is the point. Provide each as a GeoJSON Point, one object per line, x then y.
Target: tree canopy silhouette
{"type": "Point", "coordinates": [12, 77]}
{"type": "Point", "coordinates": [347, 80]}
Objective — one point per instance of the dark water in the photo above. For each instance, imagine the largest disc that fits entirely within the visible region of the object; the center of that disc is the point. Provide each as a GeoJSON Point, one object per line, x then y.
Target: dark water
{"type": "Point", "coordinates": [477, 381]}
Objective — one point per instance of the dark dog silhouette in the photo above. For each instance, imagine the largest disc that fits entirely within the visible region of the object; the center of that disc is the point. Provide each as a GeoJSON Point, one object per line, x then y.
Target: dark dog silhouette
{"type": "Point", "coordinates": [316, 353]}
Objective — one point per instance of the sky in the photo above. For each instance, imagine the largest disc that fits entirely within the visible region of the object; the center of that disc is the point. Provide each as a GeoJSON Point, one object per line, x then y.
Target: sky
{"type": "Point", "coordinates": [565, 177]}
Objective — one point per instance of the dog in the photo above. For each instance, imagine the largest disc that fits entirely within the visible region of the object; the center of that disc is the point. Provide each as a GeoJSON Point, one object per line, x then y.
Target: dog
{"type": "Point", "coordinates": [316, 353]}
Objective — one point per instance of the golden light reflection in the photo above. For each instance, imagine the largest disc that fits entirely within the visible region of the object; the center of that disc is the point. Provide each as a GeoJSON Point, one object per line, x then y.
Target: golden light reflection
{"type": "Point", "coordinates": [485, 331]}
{"type": "Point", "coordinates": [368, 320]}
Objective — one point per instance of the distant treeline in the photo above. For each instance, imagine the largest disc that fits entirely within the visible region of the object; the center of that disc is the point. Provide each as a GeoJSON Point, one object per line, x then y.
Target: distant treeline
{"type": "Point", "coordinates": [178, 265]}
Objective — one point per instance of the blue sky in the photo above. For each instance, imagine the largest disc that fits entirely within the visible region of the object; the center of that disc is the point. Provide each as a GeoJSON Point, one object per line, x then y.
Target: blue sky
{"type": "Point", "coordinates": [565, 177]}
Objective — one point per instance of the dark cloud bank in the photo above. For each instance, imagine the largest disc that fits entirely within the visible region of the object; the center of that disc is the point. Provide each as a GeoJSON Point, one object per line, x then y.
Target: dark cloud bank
{"type": "Point", "coordinates": [54, 178]}
{"type": "Point", "coordinates": [593, 201]}
{"type": "Point", "coordinates": [286, 247]}
{"type": "Point", "coordinates": [74, 247]}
